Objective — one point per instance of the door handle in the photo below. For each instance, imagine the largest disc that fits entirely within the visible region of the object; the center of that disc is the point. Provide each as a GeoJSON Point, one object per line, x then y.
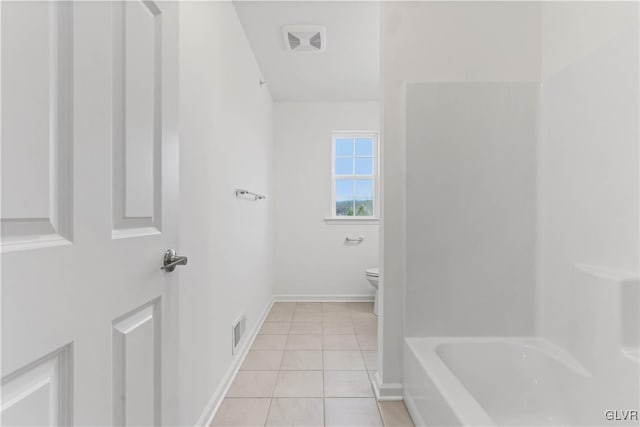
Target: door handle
{"type": "Point", "coordinates": [170, 261]}
{"type": "Point", "coordinates": [351, 240]}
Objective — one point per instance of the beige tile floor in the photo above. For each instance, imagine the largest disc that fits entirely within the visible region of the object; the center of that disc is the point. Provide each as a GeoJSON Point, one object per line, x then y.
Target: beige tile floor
{"type": "Point", "coordinates": [311, 365]}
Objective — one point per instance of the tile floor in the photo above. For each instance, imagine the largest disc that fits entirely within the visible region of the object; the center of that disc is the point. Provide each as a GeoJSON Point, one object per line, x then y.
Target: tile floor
{"type": "Point", "coordinates": [311, 365]}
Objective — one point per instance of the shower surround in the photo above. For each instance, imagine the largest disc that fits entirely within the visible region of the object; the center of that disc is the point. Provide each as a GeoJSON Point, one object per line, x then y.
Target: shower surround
{"type": "Point", "coordinates": [520, 204]}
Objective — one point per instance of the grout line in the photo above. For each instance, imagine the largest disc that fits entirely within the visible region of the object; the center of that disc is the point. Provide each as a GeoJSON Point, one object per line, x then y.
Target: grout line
{"type": "Point", "coordinates": [379, 410]}
{"type": "Point", "coordinates": [324, 411]}
{"type": "Point", "coordinates": [266, 418]}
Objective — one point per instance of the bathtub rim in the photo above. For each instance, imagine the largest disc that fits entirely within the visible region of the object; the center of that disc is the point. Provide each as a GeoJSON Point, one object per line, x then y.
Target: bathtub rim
{"type": "Point", "coordinates": [460, 400]}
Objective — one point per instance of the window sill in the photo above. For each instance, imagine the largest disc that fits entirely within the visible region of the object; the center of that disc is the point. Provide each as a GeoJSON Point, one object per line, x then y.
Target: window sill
{"type": "Point", "coordinates": [343, 221]}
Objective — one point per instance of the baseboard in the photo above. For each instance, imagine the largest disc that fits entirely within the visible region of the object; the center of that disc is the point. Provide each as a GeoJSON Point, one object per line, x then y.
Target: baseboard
{"type": "Point", "coordinates": [413, 411]}
{"type": "Point", "coordinates": [323, 298]}
{"type": "Point", "coordinates": [217, 397]}
{"type": "Point", "coordinates": [387, 391]}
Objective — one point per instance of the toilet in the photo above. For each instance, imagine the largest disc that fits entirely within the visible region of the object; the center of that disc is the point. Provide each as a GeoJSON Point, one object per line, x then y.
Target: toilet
{"type": "Point", "coordinates": [372, 276]}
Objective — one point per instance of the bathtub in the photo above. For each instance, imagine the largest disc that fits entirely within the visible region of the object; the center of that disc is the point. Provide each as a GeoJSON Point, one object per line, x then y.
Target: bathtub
{"type": "Point", "coordinates": [510, 382]}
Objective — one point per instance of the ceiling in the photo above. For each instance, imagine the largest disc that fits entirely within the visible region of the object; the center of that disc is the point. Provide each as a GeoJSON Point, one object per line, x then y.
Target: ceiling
{"type": "Point", "coordinates": [349, 68]}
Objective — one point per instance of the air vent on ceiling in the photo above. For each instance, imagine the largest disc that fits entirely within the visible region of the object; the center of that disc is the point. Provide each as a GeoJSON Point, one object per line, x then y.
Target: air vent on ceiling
{"type": "Point", "coordinates": [304, 38]}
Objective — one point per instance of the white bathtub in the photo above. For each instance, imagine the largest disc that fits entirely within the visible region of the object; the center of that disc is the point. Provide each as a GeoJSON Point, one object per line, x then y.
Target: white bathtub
{"type": "Point", "coordinates": [510, 382]}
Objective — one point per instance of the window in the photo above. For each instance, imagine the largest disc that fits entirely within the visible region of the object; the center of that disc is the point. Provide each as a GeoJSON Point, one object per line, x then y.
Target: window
{"type": "Point", "coordinates": [354, 174]}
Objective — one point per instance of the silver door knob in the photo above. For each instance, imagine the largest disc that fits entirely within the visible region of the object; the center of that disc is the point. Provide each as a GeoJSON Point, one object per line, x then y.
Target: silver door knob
{"type": "Point", "coordinates": [170, 261]}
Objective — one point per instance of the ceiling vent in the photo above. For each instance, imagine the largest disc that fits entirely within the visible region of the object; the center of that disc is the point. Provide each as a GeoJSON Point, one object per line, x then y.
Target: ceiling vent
{"type": "Point", "coordinates": [304, 38]}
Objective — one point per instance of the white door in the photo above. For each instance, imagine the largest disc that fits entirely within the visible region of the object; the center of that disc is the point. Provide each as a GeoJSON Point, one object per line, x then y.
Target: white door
{"type": "Point", "coordinates": [89, 206]}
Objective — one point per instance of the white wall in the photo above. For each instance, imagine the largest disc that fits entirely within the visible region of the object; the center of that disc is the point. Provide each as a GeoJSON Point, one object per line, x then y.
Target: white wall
{"type": "Point", "coordinates": [436, 41]}
{"type": "Point", "coordinates": [470, 260]}
{"type": "Point", "coordinates": [574, 30]}
{"type": "Point", "coordinates": [588, 169]}
{"type": "Point", "coordinates": [311, 258]}
{"type": "Point", "coordinates": [225, 143]}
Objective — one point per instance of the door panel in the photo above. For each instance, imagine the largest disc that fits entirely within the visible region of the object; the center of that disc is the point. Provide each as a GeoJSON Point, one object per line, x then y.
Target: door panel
{"type": "Point", "coordinates": [40, 393]}
{"type": "Point", "coordinates": [136, 363]}
{"type": "Point", "coordinates": [36, 124]}
{"type": "Point", "coordinates": [137, 118]}
{"type": "Point", "coordinates": [89, 175]}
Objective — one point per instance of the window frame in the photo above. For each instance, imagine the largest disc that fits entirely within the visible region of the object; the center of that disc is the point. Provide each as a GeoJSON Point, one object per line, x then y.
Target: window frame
{"type": "Point", "coordinates": [335, 135]}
